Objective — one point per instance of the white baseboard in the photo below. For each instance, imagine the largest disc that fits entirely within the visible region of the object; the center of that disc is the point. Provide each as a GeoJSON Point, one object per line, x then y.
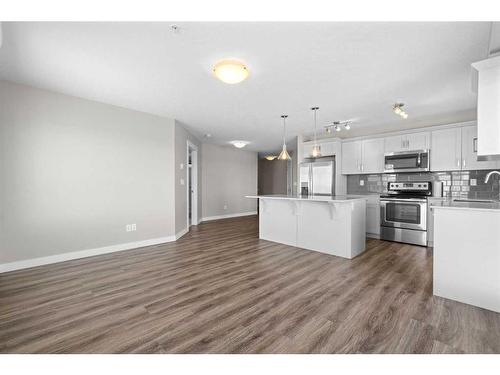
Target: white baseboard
{"type": "Point", "coordinates": [208, 218]}
{"type": "Point", "coordinates": [181, 233]}
{"type": "Point", "coordinates": [372, 235]}
{"type": "Point", "coordinates": [28, 263]}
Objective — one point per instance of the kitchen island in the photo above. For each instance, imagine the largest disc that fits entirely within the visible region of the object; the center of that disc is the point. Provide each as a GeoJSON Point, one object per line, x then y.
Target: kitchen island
{"type": "Point", "coordinates": [329, 224]}
{"type": "Point", "coordinates": [467, 253]}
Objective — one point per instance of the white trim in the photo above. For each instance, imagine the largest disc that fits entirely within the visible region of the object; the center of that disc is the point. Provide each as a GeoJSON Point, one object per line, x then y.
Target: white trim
{"type": "Point", "coordinates": [28, 263]}
{"type": "Point", "coordinates": [208, 218]}
{"type": "Point", "coordinates": [181, 233]}
{"type": "Point", "coordinates": [193, 166]}
{"type": "Point", "coordinates": [373, 235]}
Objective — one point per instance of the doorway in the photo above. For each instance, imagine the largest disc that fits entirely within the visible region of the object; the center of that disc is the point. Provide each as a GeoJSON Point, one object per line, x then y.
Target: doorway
{"type": "Point", "coordinates": [192, 184]}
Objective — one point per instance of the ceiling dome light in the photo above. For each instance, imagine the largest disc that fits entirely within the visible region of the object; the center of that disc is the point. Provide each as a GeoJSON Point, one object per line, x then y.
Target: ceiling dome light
{"type": "Point", "coordinates": [271, 157]}
{"type": "Point", "coordinates": [231, 71]}
{"type": "Point", "coordinates": [239, 144]}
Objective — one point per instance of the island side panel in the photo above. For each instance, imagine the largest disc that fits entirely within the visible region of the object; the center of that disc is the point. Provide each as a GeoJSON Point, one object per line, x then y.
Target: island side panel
{"type": "Point", "coordinates": [467, 256]}
{"type": "Point", "coordinates": [277, 221]}
{"type": "Point", "coordinates": [325, 227]}
{"type": "Point", "coordinates": [358, 227]}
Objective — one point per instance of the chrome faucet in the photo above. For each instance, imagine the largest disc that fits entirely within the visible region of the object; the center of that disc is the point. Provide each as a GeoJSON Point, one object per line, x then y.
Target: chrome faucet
{"type": "Point", "coordinates": [489, 175]}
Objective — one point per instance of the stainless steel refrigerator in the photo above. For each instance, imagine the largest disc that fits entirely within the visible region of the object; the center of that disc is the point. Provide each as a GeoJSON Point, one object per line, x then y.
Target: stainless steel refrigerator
{"type": "Point", "coordinates": [317, 176]}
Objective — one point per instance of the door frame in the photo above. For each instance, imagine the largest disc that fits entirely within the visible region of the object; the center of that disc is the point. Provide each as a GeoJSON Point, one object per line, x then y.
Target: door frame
{"type": "Point", "coordinates": [194, 183]}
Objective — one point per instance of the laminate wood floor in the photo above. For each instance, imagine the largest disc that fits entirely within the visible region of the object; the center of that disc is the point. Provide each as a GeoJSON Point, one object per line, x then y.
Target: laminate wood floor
{"type": "Point", "coordinates": [220, 289]}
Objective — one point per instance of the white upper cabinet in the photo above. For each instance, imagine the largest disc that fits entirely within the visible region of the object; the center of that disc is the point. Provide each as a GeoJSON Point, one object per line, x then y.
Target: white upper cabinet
{"type": "Point", "coordinates": [418, 141]}
{"type": "Point", "coordinates": [365, 156]}
{"type": "Point", "coordinates": [351, 157]}
{"type": "Point", "coordinates": [446, 150]}
{"type": "Point", "coordinates": [488, 110]}
{"type": "Point", "coordinates": [394, 144]}
{"type": "Point", "coordinates": [407, 142]}
{"type": "Point", "coordinates": [372, 160]}
{"type": "Point", "coordinates": [327, 149]}
{"type": "Point", "coordinates": [469, 151]}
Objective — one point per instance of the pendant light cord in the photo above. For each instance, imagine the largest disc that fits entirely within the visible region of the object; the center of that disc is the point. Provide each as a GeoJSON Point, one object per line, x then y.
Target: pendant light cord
{"type": "Point", "coordinates": [315, 137]}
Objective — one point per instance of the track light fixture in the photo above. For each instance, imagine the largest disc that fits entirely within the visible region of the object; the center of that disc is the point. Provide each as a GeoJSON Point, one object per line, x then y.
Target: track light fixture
{"type": "Point", "coordinates": [337, 126]}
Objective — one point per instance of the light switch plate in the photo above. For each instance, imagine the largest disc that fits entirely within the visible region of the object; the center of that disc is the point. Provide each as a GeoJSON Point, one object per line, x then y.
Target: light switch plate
{"type": "Point", "coordinates": [361, 182]}
{"type": "Point", "coordinates": [472, 182]}
{"type": "Point", "coordinates": [182, 181]}
{"type": "Point", "coordinates": [181, 166]}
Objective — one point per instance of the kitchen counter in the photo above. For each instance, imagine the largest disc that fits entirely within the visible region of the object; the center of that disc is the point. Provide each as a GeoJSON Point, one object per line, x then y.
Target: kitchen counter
{"type": "Point", "coordinates": [311, 198]}
{"type": "Point", "coordinates": [449, 204]}
{"type": "Point", "coordinates": [334, 225]}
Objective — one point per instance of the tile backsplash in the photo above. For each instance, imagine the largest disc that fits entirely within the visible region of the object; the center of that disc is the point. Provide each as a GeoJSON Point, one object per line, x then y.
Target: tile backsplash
{"type": "Point", "coordinates": [460, 184]}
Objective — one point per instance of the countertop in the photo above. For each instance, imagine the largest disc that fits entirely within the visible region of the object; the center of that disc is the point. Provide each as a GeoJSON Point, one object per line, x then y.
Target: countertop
{"type": "Point", "coordinates": [453, 205]}
{"type": "Point", "coordinates": [316, 198]}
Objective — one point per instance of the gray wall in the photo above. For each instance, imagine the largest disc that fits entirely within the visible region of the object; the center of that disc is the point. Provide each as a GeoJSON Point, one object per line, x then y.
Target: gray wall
{"type": "Point", "coordinates": [74, 172]}
{"type": "Point", "coordinates": [228, 174]}
{"type": "Point", "coordinates": [181, 198]}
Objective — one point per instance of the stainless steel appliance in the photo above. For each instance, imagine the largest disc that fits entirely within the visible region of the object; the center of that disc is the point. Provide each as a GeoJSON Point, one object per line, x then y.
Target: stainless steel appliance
{"type": "Point", "coordinates": [403, 212]}
{"type": "Point", "coordinates": [317, 176]}
{"type": "Point", "coordinates": [407, 161]}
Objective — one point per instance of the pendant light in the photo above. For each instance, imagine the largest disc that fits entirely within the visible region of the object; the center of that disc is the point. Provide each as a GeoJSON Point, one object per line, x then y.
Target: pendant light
{"type": "Point", "coordinates": [284, 154]}
{"type": "Point", "coordinates": [316, 150]}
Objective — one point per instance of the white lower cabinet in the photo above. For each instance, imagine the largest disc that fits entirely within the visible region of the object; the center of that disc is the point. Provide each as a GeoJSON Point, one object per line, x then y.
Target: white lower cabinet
{"type": "Point", "coordinates": [373, 219]}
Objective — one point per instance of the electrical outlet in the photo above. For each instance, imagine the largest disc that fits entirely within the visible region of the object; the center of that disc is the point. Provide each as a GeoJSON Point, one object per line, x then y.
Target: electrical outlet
{"type": "Point", "coordinates": [134, 227]}
{"type": "Point", "coordinates": [473, 182]}
{"type": "Point", "coordinates": [361, 182]}
{"type": "Point", "coordinates": [225, 206]}
{"type": "Point", "coordinates": [182, 181]}
{"type": "Point", "coordinates": [128, 227]}
{"type": "Point", "coordinates": [181, 166]}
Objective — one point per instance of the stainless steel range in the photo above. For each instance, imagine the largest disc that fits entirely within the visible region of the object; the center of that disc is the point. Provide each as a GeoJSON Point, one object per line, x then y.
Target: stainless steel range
{"type": "Point", "coordinates": [403, 212]}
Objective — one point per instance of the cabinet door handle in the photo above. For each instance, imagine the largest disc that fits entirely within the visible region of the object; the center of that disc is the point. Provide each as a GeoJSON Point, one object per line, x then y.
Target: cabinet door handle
{"type": "Point", "coordinates": [474, 144]}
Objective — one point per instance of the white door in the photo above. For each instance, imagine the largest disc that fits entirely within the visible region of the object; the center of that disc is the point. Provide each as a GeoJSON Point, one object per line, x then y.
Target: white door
{"type": "Point", "coordinates": [446, 151]}
{"type": "Point", "coordinates": [417, 141]}
{"type": "Point", "coordinates": [394, 144]}
{"type": "Point", "coordinates": [373, 156]}
{"type": "Point", "coordinates": [351, 157]}
{"type": "Point", "coordinates": [469, 151]}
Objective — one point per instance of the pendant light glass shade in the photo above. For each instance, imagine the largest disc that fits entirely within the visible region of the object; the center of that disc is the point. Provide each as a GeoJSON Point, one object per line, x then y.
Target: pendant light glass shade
{"type": "Point", "coordinates": [284, 153]}
{"type": "Point", "coordinates": [316, 150]}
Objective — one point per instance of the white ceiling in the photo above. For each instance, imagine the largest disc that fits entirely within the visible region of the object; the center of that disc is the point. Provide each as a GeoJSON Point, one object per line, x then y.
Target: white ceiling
{"type": "Point", "coordinates": [350, 70]}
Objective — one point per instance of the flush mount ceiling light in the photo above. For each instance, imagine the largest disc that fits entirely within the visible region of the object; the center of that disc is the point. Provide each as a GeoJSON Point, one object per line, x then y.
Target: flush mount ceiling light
{"type": "Point", "coordinates": [271, 157]}
{"type": "Point", "coordinates": [239, 144]}
{"type": "Point", "coordinates": [398, 109]}
{"type": "Point", "coordinates": [284, 153]}
{"type": "Point", "coordinates": [231, 71]}
{"type": "Point", "coordinates": [316, 150]}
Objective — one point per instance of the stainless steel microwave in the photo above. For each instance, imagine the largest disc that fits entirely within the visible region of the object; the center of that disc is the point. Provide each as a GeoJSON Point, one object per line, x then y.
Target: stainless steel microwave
{"type": "Point", "coordinates": [407, 161]}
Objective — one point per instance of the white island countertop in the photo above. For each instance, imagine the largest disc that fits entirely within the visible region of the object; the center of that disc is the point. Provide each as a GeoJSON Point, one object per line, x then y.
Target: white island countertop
{"type": "Point", "coordinates": [311, 198]}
